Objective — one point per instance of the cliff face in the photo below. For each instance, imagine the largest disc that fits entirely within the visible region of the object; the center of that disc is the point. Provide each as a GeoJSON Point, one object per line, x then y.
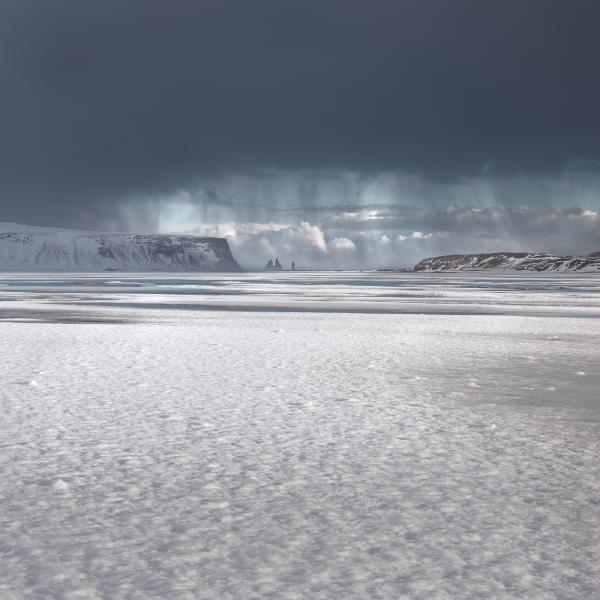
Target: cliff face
{"type": "Point", "coordinates": [511, 261]}
{"type": "Point", "coordinates": [24, 248]}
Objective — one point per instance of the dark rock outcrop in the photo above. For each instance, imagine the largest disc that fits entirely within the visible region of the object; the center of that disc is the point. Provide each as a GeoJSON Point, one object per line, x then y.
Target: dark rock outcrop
{"type": "Point", "coordinates": [276, 266]}
{"type": "Point", "coordinates": [511, 261]}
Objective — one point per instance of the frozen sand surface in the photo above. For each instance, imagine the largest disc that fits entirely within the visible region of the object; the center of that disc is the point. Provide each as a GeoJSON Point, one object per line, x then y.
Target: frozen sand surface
{"type": "Point", "coordinates": [189, 453]}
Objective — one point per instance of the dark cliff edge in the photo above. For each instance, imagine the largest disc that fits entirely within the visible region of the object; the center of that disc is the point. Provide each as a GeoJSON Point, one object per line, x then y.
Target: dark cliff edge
{"type": "Point", "coordinates": [25, 248]}
{"type": "Point", "coordinates": [511, 261]}
{"type": "Point", "coordinates": [188, 252]}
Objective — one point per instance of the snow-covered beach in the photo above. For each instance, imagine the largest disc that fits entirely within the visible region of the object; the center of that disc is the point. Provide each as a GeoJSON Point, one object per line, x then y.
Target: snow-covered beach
{"type": "Point", "coordinates": [326, 435]}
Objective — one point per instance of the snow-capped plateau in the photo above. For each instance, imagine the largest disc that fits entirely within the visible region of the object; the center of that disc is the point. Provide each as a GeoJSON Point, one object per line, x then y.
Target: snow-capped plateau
{"type": "Point", "coordinates": [27, 248]}
{"type": "Point", "coordinates": [511, 261]}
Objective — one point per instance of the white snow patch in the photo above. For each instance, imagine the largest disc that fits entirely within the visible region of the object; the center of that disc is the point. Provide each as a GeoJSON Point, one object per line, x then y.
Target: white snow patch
{"type": "Point", "coordinates": [153, 464]}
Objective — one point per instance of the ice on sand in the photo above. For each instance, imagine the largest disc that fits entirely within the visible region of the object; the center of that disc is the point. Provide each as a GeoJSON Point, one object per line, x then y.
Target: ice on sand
{"type": "Point", "coordinates": [194, 454]}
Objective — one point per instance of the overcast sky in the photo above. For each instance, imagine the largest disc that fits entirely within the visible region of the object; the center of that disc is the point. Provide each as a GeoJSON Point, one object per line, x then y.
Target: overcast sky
{"type": "Point", "coordinates": [338, 133]}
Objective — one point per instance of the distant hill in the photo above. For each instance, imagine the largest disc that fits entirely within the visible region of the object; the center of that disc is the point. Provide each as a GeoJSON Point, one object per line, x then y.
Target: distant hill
{"type": "Point", "coordinates": [511, 261]}
{"type": "Point", "coordinates": [25, 248]}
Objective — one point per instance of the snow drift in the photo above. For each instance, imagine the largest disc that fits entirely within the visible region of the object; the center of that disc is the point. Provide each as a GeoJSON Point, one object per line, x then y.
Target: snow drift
{"type": "Point", "coordinates": [25, 248]}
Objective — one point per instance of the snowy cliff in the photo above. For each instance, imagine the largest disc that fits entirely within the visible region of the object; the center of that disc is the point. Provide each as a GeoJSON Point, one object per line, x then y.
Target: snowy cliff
{"type": "Point", "coordinates": [511, 261]}
{"type": "Point", "coordinates": [24, 248]}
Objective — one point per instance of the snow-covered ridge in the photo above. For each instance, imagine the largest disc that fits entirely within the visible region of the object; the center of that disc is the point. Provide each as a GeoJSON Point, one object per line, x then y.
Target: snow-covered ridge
{"type": "Point", "coordinates": [511, 261]}
{"type": "Point", "coordinates": [25, 248]}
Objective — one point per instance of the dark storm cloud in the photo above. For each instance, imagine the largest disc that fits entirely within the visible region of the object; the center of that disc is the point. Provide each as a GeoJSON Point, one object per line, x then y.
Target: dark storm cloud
{"type": "Point", "coordinates": [108, 99]}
